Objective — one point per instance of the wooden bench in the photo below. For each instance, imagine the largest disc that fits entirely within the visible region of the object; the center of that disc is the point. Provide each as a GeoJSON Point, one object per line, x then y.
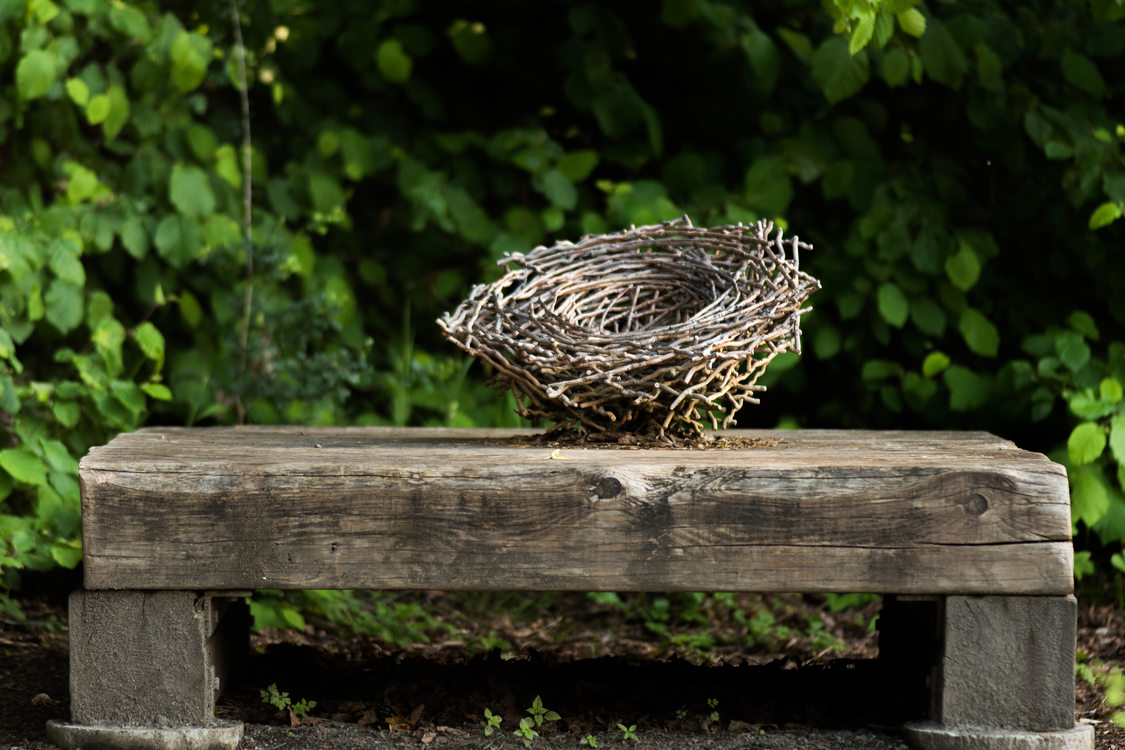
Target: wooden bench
{"type": "Point", "coordinates": [966, 535]}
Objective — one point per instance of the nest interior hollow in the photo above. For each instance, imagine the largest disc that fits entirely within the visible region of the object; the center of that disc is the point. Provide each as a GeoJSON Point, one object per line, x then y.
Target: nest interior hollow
{"type": "Point", "coordinates": [655, 327]}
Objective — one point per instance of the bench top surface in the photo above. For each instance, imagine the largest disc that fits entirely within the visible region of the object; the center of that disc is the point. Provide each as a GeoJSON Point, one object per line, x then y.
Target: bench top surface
{"type": "Point", "coordinates": [315, 449]}
{"type": "Point", "coordinates": [808, 510]}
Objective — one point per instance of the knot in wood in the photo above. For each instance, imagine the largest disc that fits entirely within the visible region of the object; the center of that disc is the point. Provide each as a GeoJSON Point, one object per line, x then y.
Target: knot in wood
{"type": "Point", "coordinates": [608, 487]}
{"type": "Point", "coordinates": [638, 331]}
{"type": "Point", "coordinates": [975, 504]}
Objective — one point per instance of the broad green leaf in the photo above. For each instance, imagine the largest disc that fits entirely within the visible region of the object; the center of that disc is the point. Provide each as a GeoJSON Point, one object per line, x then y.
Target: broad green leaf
{"type": "Point", "coordinates": [1084, 323]}
{"type": "Point", "coordinates": [1089, 498]}
{"type": "Point", "coordinates": [190, 309]}
{"type": "Point", "coordinates": [130, 21]}
{"type": "Point", "coordinates": [157, 391]}
{"type": "Point", "coordinates": [764, 57]}
{"type": "Point", "coordinates": [129, 395]}
{"type": "Point", "coordinates": [967, 390]}
{"type": "Point", "coordinates": [979, 333]}
{"type": "Point", "coordinates": [23, 465]}
{"type": "Point", "coordinates": [118, 112]}
{"type": "Point", "coordinates": [1087, 406]}
{"type": "Point", "coordinates": [58, 457]}
{"type": "Point", "coordinates": [190, 54]}
{"type": "Point", "coordinates": [893, 305]}
{"type": "Point", "coordinates": [1086, 443]}
{"type": "Point", "coordinates": [879, 369]}
{"type": "Point", "coordinates": [471, 41]}
{"type": "Point", "coordinates": [328, 143]}
{"type": "Point", "coordinates": [1110, 389]}
{"type": "Point", "coordinates": [826, 342]}
{"type": "Point", "coordinates": [65, 555]}
{"type": "Point", "coordinates": [326, 193]}
{"type": "Point", "coordinates": [989, 67]}
{"type": "Point", "coordinates": [1082, 73]}
{"type": "Point", "coordinates": [769, 188]}
{"type": "Point", "coordinates": [98, 109]}
{"type": "Point", "coordinates": [393, 62]}
{"type": "Point", "coordinates": [7, 346]}
{"type": "Point", "coordinates": [63, 305]}
{"type": "Point", "coordinates": [78, 91]}
{"type": "Point", "coordinates": [912, 22]}
{"type": "Point", "coordinates": [1117, 438]}
{"type": "Point", "coordinates": [134, 237]}
{"type": "Point", "coordinates": [934, 364]}
{"type": "Point", "coordinates": [66, 412]}
{"type": "Point", "coordinates": [837, 179]}
{"type": "Point", "coordinates": [928, 316]}
{"type": "Point", "coordinates": [884, 29]}
{"type": "Point", "coordinates": [64, 263]}
{"type": "Point", "coordinates": [82, 184]}
{"type": "Point", "coordinates": [1037, 127]}
{"type": "Point", "coordinates": [577, 165]}
{"type": "Point", "coordinates": [151, 342]}
{"type": "Point", "coordinates": [35, 74]}
{"type": "Point", "coordinates": [862, 32]}
{"type": "Point", "coordinates": [178, 240]}
{"type": "Point", "coordinates": [471, 220]}
{"type": "Point", "coordinates": [1105, 214]}
{"type": "Point", "coordinates": [963, 268]}
{"type": "Point", "coordinates": [220, 230]}
{"type": "Point", "coordinates": [941, 56]}
{"type": "Point", "coordinates": [228, 168]}
{"type": "Point", "coordinates": [1058, 150]}
{"type": "Point", "coordinates": [559, 190]}
{"type": "Point", "coordinates": [839, 73]}
{"type": "Point", "coordinates": [1072, 349]}
{"type": "Point", "coordinates": [896, 67]}
{"type": "Point", "coordinates": [44, 11]}
{"type": "Point", "coordinates": [190, 191]}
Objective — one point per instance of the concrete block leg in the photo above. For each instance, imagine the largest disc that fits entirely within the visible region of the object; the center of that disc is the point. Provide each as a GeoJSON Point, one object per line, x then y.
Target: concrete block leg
{"type": "Point", "coordinates": [1004, 677]}
{"type": "Point", "coordinates": [146, 668]}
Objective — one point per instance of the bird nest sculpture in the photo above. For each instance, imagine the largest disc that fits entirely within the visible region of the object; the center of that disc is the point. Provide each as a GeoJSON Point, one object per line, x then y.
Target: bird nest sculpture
{"type": "Point", "coordinates": [655, 329]}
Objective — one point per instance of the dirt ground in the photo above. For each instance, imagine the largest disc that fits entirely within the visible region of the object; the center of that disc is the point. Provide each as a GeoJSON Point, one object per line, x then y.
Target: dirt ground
{"type": "Point", "coordinates": [601, 673]}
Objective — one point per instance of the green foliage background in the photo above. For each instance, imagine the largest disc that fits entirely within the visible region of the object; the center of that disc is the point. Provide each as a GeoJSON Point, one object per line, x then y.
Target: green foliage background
{"type": "Point", "coordinates": [958, 168]}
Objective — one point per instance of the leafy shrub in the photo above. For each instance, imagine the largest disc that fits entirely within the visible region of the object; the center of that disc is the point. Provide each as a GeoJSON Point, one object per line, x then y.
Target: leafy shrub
{"type": "Point", "coordinates": [959, 169]}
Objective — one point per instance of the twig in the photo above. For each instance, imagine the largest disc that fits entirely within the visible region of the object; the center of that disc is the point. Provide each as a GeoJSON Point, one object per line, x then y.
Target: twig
{"type": "Point", "coordinates": [247, 204]}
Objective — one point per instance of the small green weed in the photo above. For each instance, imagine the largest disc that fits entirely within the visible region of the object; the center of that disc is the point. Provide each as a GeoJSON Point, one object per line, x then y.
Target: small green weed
{"type": "Point", "coordinates": [541, 714]}
{"type": "Point", "coordinates": [526, 732]}
{"type": "Point", "coordinates": [280, 700]}
{"type": "Point", "coordinates": [713, 704]}
{"type": "Point", "coordinates": [1110, 679]}
{"type": "Point", "coordinates": [628, 732]}
{"type": "Point", "coordinates": [589, 741]}
{"type": "Point", "coordinates": [491, 722]}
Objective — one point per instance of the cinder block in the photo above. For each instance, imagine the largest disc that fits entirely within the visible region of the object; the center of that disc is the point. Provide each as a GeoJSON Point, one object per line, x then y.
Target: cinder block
{"type": "Point", "coordinates": [146, 658]}
{"type": "Point", "coordinates": [1007, 662]}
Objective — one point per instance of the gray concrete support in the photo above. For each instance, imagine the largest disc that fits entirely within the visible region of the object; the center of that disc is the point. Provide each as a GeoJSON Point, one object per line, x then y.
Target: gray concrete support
{"type": "Point", "coordinates": [1004, 677]}
{"type": "Point", "coordinates": [150, 664]}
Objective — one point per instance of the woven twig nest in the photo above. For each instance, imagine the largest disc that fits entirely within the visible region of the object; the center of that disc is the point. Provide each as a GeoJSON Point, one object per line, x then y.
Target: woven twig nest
{"type": "Point", "coordinates": [655, 327]}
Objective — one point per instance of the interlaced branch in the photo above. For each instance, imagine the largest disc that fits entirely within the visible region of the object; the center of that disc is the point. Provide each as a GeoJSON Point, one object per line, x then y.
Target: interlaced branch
{"type": "Point", "coordinates": [653, 328]}
{"type": "Point", "coordinates": [247, 206]}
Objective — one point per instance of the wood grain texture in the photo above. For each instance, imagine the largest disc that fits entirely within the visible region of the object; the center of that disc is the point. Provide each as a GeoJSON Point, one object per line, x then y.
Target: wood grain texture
{"type": "Point", "coordinates": [886, 512]}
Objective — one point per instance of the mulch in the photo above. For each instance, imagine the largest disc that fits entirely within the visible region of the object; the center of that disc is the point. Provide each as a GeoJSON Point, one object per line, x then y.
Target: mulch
{"type": "Point", "coordinates": [593, 666]}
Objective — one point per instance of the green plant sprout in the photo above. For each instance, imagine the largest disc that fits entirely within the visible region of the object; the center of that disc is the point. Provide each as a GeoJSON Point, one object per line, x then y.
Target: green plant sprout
{"type": "Point", "coordinates": [526, 732]}
{"type": "Point", "coordinates": [628, 732]}
{"type": "Point", "coordinates": [491, 722]}
{"type": "Point", "coordinates": [589, 741]}
{"type": "Point", "coordinates": [541, 714]}
{"type": "Point", "coordinates": [280, 700]}
{"type": "Point", "coordinates": [713, 704]}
